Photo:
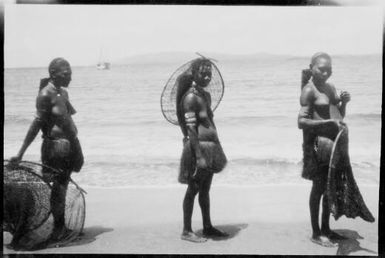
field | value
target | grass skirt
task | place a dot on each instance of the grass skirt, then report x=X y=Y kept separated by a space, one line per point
x=316 y=158
x=211 y=151
x=62 y=154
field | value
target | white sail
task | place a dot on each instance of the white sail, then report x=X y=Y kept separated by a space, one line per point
x=102 y=64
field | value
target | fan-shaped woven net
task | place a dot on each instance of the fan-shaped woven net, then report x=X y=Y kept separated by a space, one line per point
x=344 y=196
x=168 y=98
x=27 y=205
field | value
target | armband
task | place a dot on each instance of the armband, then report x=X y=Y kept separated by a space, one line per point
x=190 y=118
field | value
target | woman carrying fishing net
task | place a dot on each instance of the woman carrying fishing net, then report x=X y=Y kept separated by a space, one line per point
x=188 y=100
x=325 y=151
x=60 y=149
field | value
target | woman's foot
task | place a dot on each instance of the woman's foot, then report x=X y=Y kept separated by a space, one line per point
x=332 y=235
x=213 y=232
x=192 y=237
x=14 y=246
x=60 y=234
x=323 y=241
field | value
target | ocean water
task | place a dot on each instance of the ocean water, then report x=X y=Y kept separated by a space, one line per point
x=126 y=141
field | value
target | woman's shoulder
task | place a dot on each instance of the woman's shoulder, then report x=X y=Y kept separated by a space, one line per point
x=47 y=90
x=185 y=78
x=308 y=94
x=64 y=92
x=309 y=88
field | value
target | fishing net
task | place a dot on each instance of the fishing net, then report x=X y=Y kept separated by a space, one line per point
x=27 y=205
x=344 y=197
x=168 y=97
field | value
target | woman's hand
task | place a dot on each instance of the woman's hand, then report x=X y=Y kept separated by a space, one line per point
x=345 y=97
x=201 y=163
x=337 y=125
x=15 y=160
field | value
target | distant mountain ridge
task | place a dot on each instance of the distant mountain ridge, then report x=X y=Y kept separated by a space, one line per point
x=171 y=57
x=182 y=57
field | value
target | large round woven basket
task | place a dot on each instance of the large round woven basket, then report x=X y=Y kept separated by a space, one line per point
x=26 y=197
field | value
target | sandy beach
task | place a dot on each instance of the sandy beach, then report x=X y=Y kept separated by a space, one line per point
x=260 y=220
x=132 y=153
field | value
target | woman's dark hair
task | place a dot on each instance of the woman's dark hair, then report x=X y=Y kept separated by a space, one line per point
x=56 y=64
x=184 y=84
x=43 y=83
x=53 y=67
x=307 y=73
x=198 y=63
x=306 y=76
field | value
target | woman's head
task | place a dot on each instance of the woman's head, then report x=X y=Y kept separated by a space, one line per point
x=201 y=71
x=60 y=72
x=321 y=67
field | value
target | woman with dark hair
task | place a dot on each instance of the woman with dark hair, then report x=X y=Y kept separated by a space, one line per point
x=202 y=153
x=320 y=118
x=60 y=148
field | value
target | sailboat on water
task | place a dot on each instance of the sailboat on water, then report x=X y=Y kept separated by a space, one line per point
x=102 y=65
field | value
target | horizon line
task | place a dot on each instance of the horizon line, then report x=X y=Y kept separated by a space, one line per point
x=118 y=62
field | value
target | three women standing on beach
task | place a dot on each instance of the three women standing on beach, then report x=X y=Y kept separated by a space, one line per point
x=320 y=118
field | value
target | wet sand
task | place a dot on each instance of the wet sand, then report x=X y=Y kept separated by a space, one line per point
x=260 y=220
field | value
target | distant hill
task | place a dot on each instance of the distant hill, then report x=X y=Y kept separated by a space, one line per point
x=163 y=57
x=182 y=57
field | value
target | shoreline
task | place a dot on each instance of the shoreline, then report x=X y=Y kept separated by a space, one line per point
x=179 y=185
x=260 y=220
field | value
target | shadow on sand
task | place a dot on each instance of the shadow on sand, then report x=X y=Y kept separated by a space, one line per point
x=231 y=229
x=89 y=235
x=351 y=244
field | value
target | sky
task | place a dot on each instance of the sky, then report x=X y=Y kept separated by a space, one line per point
x=35 y=34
